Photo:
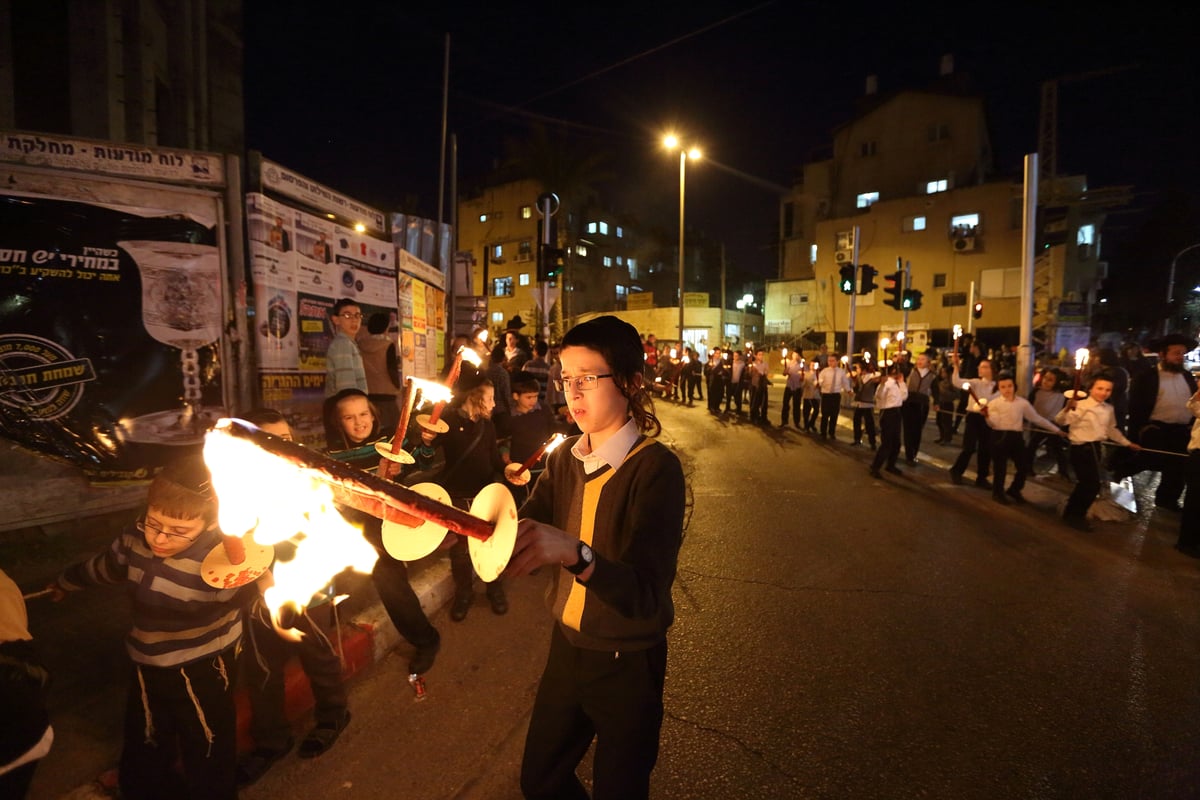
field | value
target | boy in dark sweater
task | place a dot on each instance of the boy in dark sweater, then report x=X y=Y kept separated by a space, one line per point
x=608 y=515
x=526 y=429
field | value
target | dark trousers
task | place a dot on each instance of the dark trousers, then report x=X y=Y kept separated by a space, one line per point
x=390 y=578
x=831 y=406
x=1055 y=446
x=1173 y=438
x=758 y=402
x=914 y=413
x=812 y=408
x=1085 y=460
x=791 y=400
x=733 y=393
x=615 y=698
x=945 y=423
x=975 y=437
x=716 y=393
x=263 y=666
x=961 y=409
x=1008 y=446
x=693 y=387
x=889 y=438
x=191 y=719
x=864 y=418
x=1189 y=522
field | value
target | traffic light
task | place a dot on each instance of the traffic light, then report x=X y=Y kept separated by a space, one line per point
x=977 y=312
x=894 y=290
x=550 y=262
x=868 y=279
x=911 y=299
x=846 y=283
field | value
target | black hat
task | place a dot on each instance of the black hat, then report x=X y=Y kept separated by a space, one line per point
x=469 y=378
x=515 y=324
x=1161 y=344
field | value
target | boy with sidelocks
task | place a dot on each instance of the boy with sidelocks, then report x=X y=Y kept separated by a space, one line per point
x=183 y=644
x=608 y=513
x=1092 y=422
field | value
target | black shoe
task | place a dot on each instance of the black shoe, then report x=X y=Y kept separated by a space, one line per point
x=1016 y=495
x=423 y=658
x=462 y=604
x=1078 y=523
x=495 y=596
x=322 y=737
x=894 y=471
x=1192 y=550
x=255 y=764
x=983 y=483
x=955 y=477
x=875 y=473
x=912 y=462
x=1001 y=499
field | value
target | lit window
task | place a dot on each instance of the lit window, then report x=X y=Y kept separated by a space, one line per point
x=913 y=224
x=632 y=264
x=497 y=316
x=502 y=287
x=620 y=261
x=933 y=187
x=526 y=212
x=620 y=232
x=964 y=224
x=608 y=261
x=603 y=227
x=812 y=254
x=580 y=250
x=591 y=228
x=483 y=217
x=1086 y=235
x=622 y=291
x=866 y=199
x=523 y=279
x=498 y=251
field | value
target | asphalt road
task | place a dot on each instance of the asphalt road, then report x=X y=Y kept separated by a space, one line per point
x=839 y=637
x=836 y=636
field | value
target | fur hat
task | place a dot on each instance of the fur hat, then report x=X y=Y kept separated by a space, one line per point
x=1161 y=344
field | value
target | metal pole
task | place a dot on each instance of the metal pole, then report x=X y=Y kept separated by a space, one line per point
x=1028 y=240
x=721 y=317
x=853 y=298
x=682 y=171
x=451 y=290
x=907 y=286
x=437 y=251
x=971 y=310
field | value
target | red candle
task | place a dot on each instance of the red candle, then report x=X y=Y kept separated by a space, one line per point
x=406 y=409
x=554 y=442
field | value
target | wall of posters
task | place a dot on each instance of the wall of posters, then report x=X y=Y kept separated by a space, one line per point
x=110 y=333
x=300 y=265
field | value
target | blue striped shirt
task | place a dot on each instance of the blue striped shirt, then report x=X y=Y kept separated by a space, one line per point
x=177 y=617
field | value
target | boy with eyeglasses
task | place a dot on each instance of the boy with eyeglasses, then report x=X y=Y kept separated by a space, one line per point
x=343 y=361
x=183 y=644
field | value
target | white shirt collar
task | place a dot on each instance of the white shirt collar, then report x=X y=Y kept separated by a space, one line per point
x=612 y=452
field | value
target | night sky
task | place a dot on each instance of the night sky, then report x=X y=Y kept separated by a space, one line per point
x=350 y=94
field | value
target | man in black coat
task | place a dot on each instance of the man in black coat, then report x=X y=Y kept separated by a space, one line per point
x=1159 y=418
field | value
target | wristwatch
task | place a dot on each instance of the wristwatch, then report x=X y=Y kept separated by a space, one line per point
x=586 y=557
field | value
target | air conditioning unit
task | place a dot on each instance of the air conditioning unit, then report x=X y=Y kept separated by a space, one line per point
x=964 y=244
x=843 y=256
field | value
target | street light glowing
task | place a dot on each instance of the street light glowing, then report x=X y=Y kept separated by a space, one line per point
x=694 y=154
x=360 y=228
x=670 y=141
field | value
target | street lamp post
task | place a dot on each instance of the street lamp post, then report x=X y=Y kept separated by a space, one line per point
x=671 y=142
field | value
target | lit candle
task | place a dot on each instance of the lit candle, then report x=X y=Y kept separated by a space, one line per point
x=405 y=412
x=549 y=446
x=452 y=378
x=1081 y=360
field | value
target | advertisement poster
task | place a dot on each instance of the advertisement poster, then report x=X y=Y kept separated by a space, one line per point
x=301 y=265
x=109 y=332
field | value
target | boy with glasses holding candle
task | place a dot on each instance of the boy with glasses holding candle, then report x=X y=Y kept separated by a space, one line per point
x=607 y=516
x=343 y=361
x=184 y=642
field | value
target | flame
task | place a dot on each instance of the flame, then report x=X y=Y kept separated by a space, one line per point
x=482 y=336
x=470 y=355
x=433 y=392
x=672 y=352
x=266 y=494
x=1081 y=358
x=554 y=442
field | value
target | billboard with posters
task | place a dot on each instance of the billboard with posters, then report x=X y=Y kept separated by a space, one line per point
x=110 y=326
x=300 y=265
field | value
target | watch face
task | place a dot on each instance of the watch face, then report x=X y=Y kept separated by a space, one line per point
x=585 y=553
